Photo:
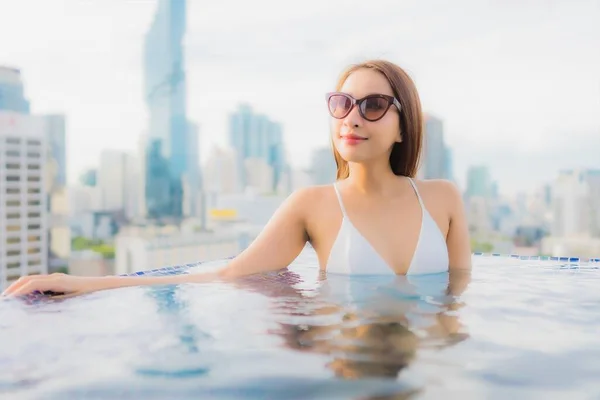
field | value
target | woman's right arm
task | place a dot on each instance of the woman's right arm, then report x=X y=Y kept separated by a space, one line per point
x=278 y=244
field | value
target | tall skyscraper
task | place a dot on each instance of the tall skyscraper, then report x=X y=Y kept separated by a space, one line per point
x=593 y=180
x=221 y=173
x=448 y=163
x=436 y=162
x=112 y=181
x=576 y=195
x=255 y=136
x=479 y=200
x=12 y=97
x=59 y=233
x=52 y=127
x=571 y=209
x=117 y=176
x=57 y=151
x=23 y=220
x=323 y=169
x=170 y=153
x=276 y=157
x=479 y=183
x=192 y=179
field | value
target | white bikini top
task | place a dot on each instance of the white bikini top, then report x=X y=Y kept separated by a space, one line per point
x=353 y=254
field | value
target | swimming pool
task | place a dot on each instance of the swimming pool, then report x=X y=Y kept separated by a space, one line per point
x=514 y=328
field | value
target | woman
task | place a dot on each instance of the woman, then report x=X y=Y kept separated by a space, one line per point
x=375 y=220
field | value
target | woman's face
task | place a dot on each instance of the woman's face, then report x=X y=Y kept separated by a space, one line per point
x=357 y=139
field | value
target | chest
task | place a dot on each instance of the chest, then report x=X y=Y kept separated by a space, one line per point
x=389 y=231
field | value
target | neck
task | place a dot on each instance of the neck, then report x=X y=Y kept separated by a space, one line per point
x=371 y=177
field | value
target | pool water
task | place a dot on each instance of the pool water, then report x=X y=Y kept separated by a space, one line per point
x=511 y=329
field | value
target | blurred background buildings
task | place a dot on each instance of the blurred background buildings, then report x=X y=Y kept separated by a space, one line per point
x=178 y=196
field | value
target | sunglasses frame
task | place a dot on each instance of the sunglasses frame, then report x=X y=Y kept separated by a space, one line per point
x=357 y=102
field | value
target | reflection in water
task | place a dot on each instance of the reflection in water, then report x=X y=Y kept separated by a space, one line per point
x=359 y=349
x=175 y=311
x=365 y=327
x=284 y=336
x=370 y=327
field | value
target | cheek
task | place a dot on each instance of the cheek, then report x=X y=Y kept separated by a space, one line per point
x=334 y=129
x=335 y=126
x=389 y=131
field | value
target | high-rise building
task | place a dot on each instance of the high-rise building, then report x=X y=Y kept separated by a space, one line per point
x=575 y=225
x=23 y=220
x=593 y=180
x=255 y=136
x=547 y=195
x=494 y=190
x=323 y=169
x=112 y=180
x=276 y=158
x=576 y=195
x=169 y=156
x=221 y=172
x=118 y=175
x=89 y=177
x=436 y=156
x=259 y=175
x=12 y=97
x=479 y=183
x=479 y=200
x=59 y=227
x=133 y=183
x=59 y=232
x=83 y=199
x=57 y=151
x=192 y=179
x=448 y=164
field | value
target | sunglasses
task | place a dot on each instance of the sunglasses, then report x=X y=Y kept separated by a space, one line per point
x=372 y=107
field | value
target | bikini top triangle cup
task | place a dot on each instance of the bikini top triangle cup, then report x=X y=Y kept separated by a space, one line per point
x=353 y=254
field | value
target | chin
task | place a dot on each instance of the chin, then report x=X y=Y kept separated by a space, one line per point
x=354 y=156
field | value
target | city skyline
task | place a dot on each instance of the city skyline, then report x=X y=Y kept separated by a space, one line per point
x=503 y=83
x=170 y=154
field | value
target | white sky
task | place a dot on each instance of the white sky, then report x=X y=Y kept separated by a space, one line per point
x=516 y=82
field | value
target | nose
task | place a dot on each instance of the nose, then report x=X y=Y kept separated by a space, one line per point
x=353 y=119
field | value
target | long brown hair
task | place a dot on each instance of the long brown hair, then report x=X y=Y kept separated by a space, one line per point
x=405 y=156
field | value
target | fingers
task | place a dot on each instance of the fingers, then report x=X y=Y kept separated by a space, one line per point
x=29 y=284
x=18 y=284
x=30 y=287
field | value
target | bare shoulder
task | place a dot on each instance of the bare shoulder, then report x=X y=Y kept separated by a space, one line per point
x=311 y=193
x=441 y=191
x=442 y=187
x=307 y=198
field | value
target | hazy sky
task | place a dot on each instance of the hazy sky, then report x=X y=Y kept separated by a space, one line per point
x=517 y=83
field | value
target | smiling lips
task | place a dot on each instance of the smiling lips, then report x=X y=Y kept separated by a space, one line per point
x=352 y=139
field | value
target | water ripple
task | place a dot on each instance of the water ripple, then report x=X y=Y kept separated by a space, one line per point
x=511 y=329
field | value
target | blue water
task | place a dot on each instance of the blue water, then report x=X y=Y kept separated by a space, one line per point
x=511 y=329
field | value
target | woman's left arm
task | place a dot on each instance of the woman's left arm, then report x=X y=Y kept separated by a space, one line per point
x=457 y=240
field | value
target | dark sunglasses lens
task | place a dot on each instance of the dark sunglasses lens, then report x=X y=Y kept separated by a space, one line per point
x=339 y=106
x=374 y=107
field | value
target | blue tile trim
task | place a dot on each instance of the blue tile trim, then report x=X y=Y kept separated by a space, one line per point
x=576 y=260
x=180 y=269
x=169 y=270
x=571 y=262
